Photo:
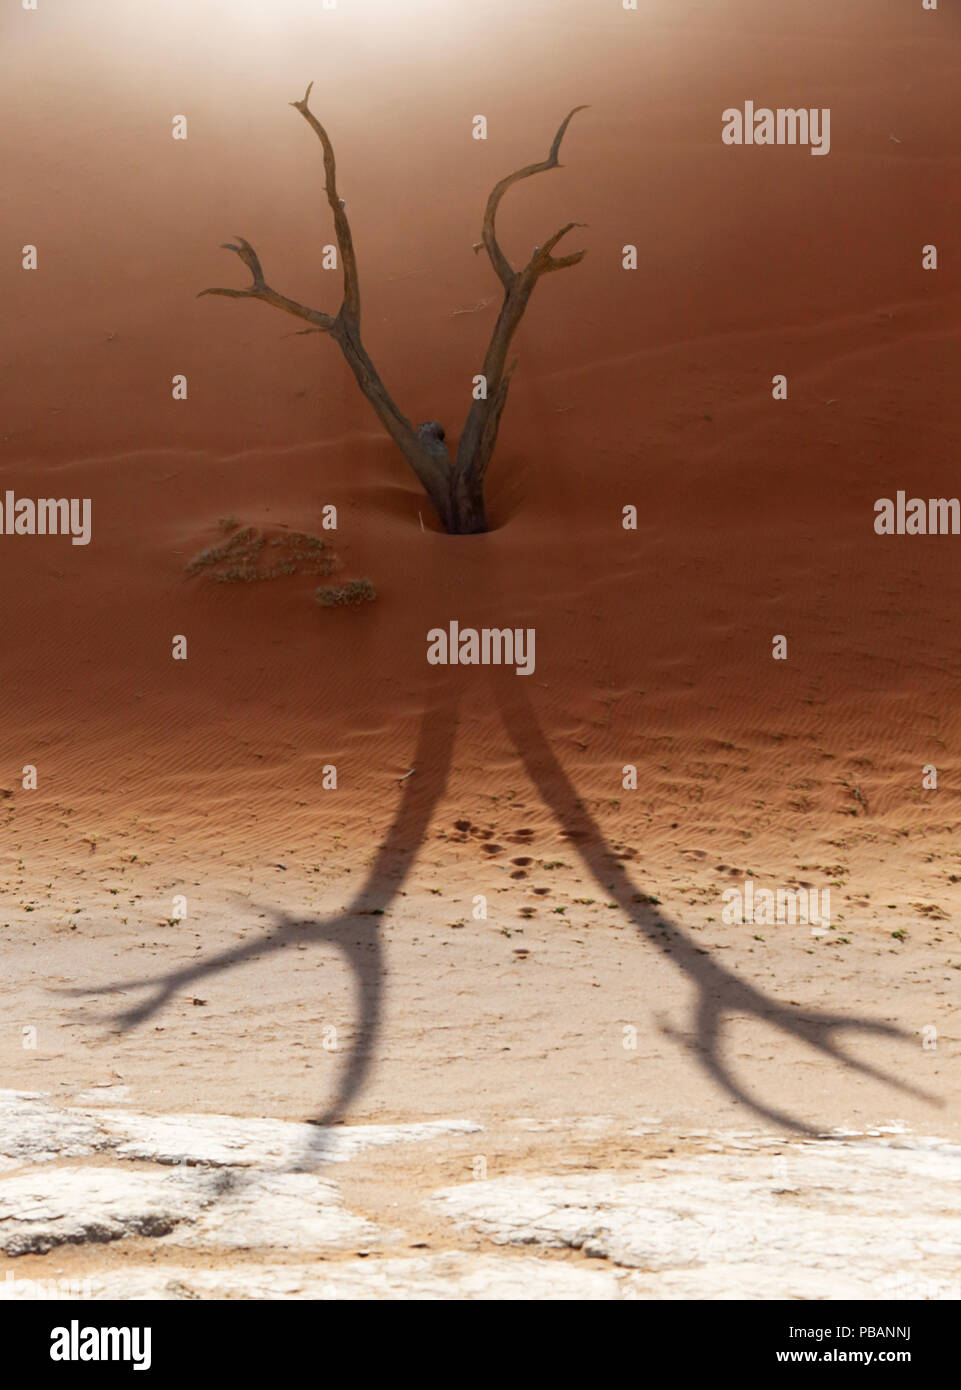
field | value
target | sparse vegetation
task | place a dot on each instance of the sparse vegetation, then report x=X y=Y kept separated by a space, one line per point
x=353 y=592
x=242 y=558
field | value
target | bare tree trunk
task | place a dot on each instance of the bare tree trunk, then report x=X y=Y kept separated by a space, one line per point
x=455 y=487
x=423 y=448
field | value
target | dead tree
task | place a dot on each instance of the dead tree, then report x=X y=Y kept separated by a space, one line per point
x=454 y=486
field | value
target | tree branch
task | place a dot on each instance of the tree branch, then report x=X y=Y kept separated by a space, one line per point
x=493 y=420
x=499 y=261
x=348 y=259
x=259 y=289
x=542 y=262
x=350 y=307
x=428 y=457
x=479 y=435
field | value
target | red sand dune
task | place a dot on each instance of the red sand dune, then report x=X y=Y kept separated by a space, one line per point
x=651 y=388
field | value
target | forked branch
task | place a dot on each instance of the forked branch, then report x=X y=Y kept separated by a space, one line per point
x=344 y=327
x=259 y=289
x=479 y=435
x=499 y=261
x=542 y=262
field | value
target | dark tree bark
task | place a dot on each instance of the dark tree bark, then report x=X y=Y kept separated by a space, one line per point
x=454 y=486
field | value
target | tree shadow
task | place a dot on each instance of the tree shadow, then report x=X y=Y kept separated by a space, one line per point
x=355 y=931
x=720 y=994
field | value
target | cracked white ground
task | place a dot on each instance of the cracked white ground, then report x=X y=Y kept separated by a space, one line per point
x=128 y=1205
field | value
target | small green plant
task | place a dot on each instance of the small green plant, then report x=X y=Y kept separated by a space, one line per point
x=355 y=591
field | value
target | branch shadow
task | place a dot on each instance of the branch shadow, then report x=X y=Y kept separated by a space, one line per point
x=355 y=931
x=720 y=994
